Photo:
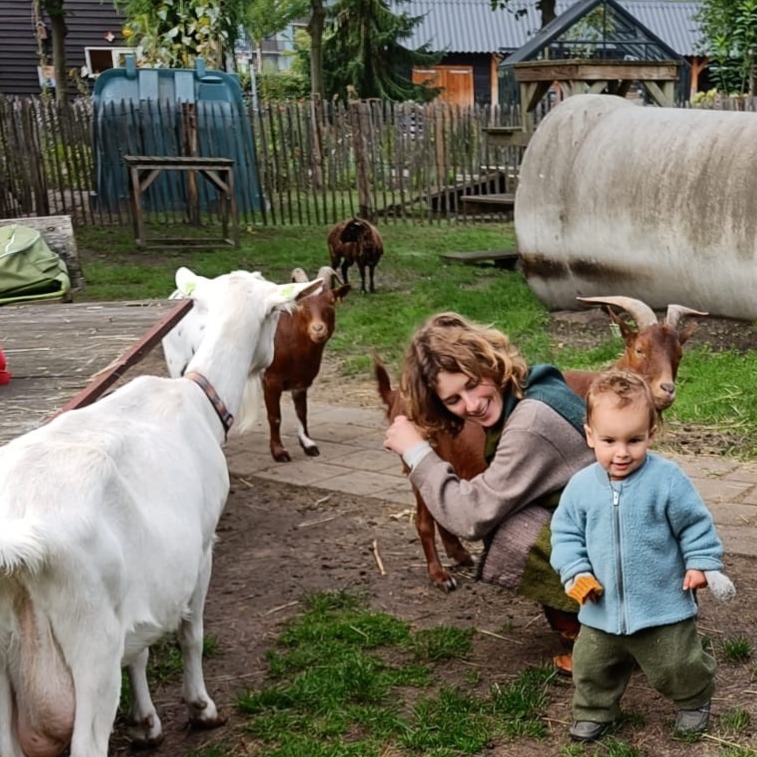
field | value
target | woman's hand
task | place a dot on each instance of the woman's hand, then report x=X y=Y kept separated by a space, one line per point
x=694 y=579
x=402 y=435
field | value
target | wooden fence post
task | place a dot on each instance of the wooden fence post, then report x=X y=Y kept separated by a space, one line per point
x=360 y=126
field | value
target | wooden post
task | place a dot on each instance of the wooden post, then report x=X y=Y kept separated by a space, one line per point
x=362 y=164
x=189 y=149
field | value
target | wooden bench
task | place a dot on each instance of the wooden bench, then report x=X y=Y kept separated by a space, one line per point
x=506 y=258
x=58 y=232
x=482 y=204
x=144 y=169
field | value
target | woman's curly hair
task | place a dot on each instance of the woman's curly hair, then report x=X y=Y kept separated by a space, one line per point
x=450 y=343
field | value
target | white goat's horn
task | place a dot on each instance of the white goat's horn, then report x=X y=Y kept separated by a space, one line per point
x=299 y=276
x=329 y=276
x=639 y=311
x=676 y=312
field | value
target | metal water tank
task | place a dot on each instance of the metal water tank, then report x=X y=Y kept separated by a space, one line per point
x=655 y=203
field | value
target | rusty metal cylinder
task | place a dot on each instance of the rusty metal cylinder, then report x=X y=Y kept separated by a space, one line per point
x=659 y=204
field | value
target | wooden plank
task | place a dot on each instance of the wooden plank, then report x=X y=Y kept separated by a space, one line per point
x=505 y=258
x=493 y=203
x=54 y=350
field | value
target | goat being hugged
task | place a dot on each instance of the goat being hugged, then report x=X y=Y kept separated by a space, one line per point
x=356 y=241
x=107 y=523
x=652 y=349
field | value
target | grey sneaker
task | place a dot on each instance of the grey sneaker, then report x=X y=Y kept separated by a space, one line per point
x=586 y=730
x=693 y=721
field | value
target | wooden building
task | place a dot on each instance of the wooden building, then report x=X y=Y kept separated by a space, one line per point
x=93 y=43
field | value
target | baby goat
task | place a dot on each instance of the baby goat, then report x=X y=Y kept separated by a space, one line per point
x=107 y=522
x=298 y=349
x=356 y=241
x=652 y=349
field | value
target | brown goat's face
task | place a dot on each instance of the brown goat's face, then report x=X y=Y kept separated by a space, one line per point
x=655 y=353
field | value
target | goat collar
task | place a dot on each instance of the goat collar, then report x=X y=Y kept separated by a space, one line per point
x=226 y=418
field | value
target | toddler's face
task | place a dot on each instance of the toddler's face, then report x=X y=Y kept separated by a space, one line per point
x=619 y=436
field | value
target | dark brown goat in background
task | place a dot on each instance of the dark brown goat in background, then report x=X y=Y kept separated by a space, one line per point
x=652 y=349
x=355 y=241
x=298 y=349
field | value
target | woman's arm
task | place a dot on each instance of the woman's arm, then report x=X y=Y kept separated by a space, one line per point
x=537 y=453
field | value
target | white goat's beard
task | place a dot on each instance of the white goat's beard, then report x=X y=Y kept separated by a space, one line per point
x=250 y=410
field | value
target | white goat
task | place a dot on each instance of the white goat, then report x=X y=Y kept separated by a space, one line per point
x=107 y=521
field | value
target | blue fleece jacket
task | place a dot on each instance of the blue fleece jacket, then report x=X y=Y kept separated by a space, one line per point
x=638 y=537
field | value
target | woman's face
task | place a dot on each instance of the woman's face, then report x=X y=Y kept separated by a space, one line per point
x=475 y=400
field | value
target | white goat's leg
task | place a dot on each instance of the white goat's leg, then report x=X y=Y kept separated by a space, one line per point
x=145 y=728
x=93 y=646
x=202 y=709
x=300 y=400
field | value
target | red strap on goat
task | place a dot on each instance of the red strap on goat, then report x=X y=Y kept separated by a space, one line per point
x=226 y=418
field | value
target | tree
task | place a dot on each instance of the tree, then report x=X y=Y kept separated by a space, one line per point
x=316 y=26
x=174 y=33
x=264 y=18
x=57 y=16
x=363 y=47
x=545 y=7
x=729 y=35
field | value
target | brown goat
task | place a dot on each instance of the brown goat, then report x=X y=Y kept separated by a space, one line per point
x=355 y=241
x=654 y=350
x=298 y=348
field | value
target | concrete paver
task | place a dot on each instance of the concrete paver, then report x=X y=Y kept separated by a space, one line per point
x=353 y=461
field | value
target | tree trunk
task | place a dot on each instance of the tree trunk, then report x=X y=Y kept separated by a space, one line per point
x=547 y=10
x=315 y=29
x=58 y=26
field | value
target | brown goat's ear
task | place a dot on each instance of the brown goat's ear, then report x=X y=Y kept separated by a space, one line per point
x=626 y=330
x=341 y=292
x=687 y=331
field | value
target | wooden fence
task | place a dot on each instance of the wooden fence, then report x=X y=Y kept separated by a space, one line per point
x=295 y=162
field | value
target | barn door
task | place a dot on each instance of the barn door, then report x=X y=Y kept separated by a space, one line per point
x=456 y=81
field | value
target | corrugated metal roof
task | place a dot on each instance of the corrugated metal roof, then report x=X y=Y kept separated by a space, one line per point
x=471 y=26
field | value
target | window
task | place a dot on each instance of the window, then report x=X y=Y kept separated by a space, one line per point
x=99 y=59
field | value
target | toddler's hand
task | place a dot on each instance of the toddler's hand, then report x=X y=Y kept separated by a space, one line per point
x=584 y=588
x=694 y=579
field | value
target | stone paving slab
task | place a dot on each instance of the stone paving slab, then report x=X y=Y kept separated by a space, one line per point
x=54 y=349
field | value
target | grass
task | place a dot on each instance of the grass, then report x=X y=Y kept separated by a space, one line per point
x=347 y=681
x=414 y=282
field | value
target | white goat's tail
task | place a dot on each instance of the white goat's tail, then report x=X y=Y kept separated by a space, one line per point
x=21 y=546
x=720 y=585
x=249 y=412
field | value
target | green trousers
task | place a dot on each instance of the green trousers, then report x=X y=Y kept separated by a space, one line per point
x=671 y=657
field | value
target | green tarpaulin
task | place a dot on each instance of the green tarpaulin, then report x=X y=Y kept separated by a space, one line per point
x=29 y=269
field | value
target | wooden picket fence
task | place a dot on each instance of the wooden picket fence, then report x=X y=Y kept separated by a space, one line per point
x=295 y=162
x=308 y=162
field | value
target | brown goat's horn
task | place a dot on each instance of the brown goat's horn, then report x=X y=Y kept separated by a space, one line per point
x=676 y=312
x=299 y=276
x=329 y=277
x=639 y=311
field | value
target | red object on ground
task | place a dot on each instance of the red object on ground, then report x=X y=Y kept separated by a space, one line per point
x=5 y=376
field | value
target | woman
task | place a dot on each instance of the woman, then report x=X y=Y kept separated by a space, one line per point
x=456 y=371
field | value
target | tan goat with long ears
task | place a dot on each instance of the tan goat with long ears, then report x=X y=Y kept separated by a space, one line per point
x=652 y=349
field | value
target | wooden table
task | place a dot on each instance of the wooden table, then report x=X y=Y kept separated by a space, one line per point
x=144 y=169
x=614 y=77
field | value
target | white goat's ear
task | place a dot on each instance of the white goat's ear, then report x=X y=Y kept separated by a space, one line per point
x=185 y=281
x=287 y=293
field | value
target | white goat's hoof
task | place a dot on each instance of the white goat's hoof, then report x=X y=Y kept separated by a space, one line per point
x=203 y=715
x=146 y=734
